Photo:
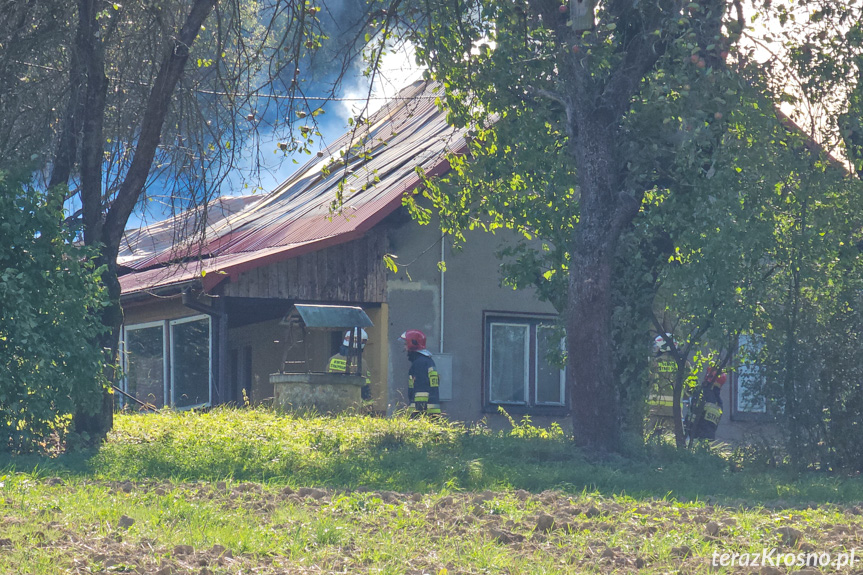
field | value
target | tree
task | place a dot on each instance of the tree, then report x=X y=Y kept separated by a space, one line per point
x=609 y=96
x=154 y=100
x=49 y=365
x=506 y=59
x=809 y=321
x=716 y=278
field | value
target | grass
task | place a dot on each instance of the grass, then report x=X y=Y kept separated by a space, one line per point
x=252 y=491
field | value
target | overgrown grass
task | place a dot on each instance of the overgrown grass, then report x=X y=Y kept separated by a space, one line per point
x=253 y=491
x=349 y=451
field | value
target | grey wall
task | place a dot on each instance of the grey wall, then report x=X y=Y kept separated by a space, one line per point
x=471 y=286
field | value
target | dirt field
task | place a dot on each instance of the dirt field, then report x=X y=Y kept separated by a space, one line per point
x=388 y=532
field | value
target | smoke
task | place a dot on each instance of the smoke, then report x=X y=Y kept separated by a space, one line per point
x=335 y=87
x=336 y=78
x=398 y=69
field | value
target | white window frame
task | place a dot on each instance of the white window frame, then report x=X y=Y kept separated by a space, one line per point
x=165 y=356
x=562 y=372
x=747 y=401
x=189 y=319
x=526 y=351
x=532 y=323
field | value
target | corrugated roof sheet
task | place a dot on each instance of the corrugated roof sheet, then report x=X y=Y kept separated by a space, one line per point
x=297 y=217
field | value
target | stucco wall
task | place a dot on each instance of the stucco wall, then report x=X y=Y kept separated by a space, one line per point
x=471 y=285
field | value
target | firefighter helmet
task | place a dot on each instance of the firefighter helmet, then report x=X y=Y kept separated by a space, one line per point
x=360 y=339
x=660 y=345
x=715 y=377
x=414 y=340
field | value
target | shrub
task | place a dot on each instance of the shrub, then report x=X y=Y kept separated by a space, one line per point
x=49 y=289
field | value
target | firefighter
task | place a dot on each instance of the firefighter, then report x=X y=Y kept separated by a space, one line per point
x=339 y=362
x=709 y=405
x=423 y=380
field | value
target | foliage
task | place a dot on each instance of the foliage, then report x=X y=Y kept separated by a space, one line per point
x=567 y=132
x=810 y=316
x=525 y=429
x=809 y=313
x=49 y=319
x=689 y=130
x=139 y=104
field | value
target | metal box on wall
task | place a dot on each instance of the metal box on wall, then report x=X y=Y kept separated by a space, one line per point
x=443 y=362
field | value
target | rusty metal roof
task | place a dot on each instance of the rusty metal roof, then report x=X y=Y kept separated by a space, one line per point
x=299 y=216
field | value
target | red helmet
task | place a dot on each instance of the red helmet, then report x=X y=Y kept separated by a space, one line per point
x=715 y=377
x=414 y=340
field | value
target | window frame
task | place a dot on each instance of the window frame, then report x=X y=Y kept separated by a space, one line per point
x=751 y=370
x=125 y=358
x=531 y=406
x=561 y=373
x=180 y=321
x=168 y=355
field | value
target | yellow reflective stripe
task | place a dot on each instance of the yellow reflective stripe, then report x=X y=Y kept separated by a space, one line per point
x=433 y=408
x=712 y=412
x=421 y=396
x=662 y=400
x=410 y=382
x=434 y=378
x=337 y=364
x=667 y=366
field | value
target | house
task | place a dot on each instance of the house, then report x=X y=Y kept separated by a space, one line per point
x=203 y=311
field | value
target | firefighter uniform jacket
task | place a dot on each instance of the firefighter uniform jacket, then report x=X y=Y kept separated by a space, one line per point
x=423 y=382
x=711 y=410
x=339 y=363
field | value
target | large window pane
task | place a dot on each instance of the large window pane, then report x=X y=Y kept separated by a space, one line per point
x=508 y=362
x=145 y=364
x=750 y=378
x=190 y=362
x=549 y=378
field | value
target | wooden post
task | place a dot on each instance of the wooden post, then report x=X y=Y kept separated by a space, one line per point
x=221 y=391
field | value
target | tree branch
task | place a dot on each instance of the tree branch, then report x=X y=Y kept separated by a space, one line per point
x=158 y=105
x=93 y=53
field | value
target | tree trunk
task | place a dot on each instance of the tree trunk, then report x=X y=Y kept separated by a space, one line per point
x=596 y=412
x=676 y=407
x=104 y=222
x=790 y=371
x=594 y=392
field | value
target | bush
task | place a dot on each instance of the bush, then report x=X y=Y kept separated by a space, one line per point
x=50 y=364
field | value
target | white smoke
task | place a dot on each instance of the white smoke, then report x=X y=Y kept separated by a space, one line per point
x=398 y=69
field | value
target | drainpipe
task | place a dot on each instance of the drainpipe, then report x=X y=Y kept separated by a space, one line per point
x=442 y=288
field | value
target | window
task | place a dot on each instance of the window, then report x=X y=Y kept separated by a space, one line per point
x=517 y=367
x=190 y=362
x=168 y=362
x=145 y=363
x=749 y=379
